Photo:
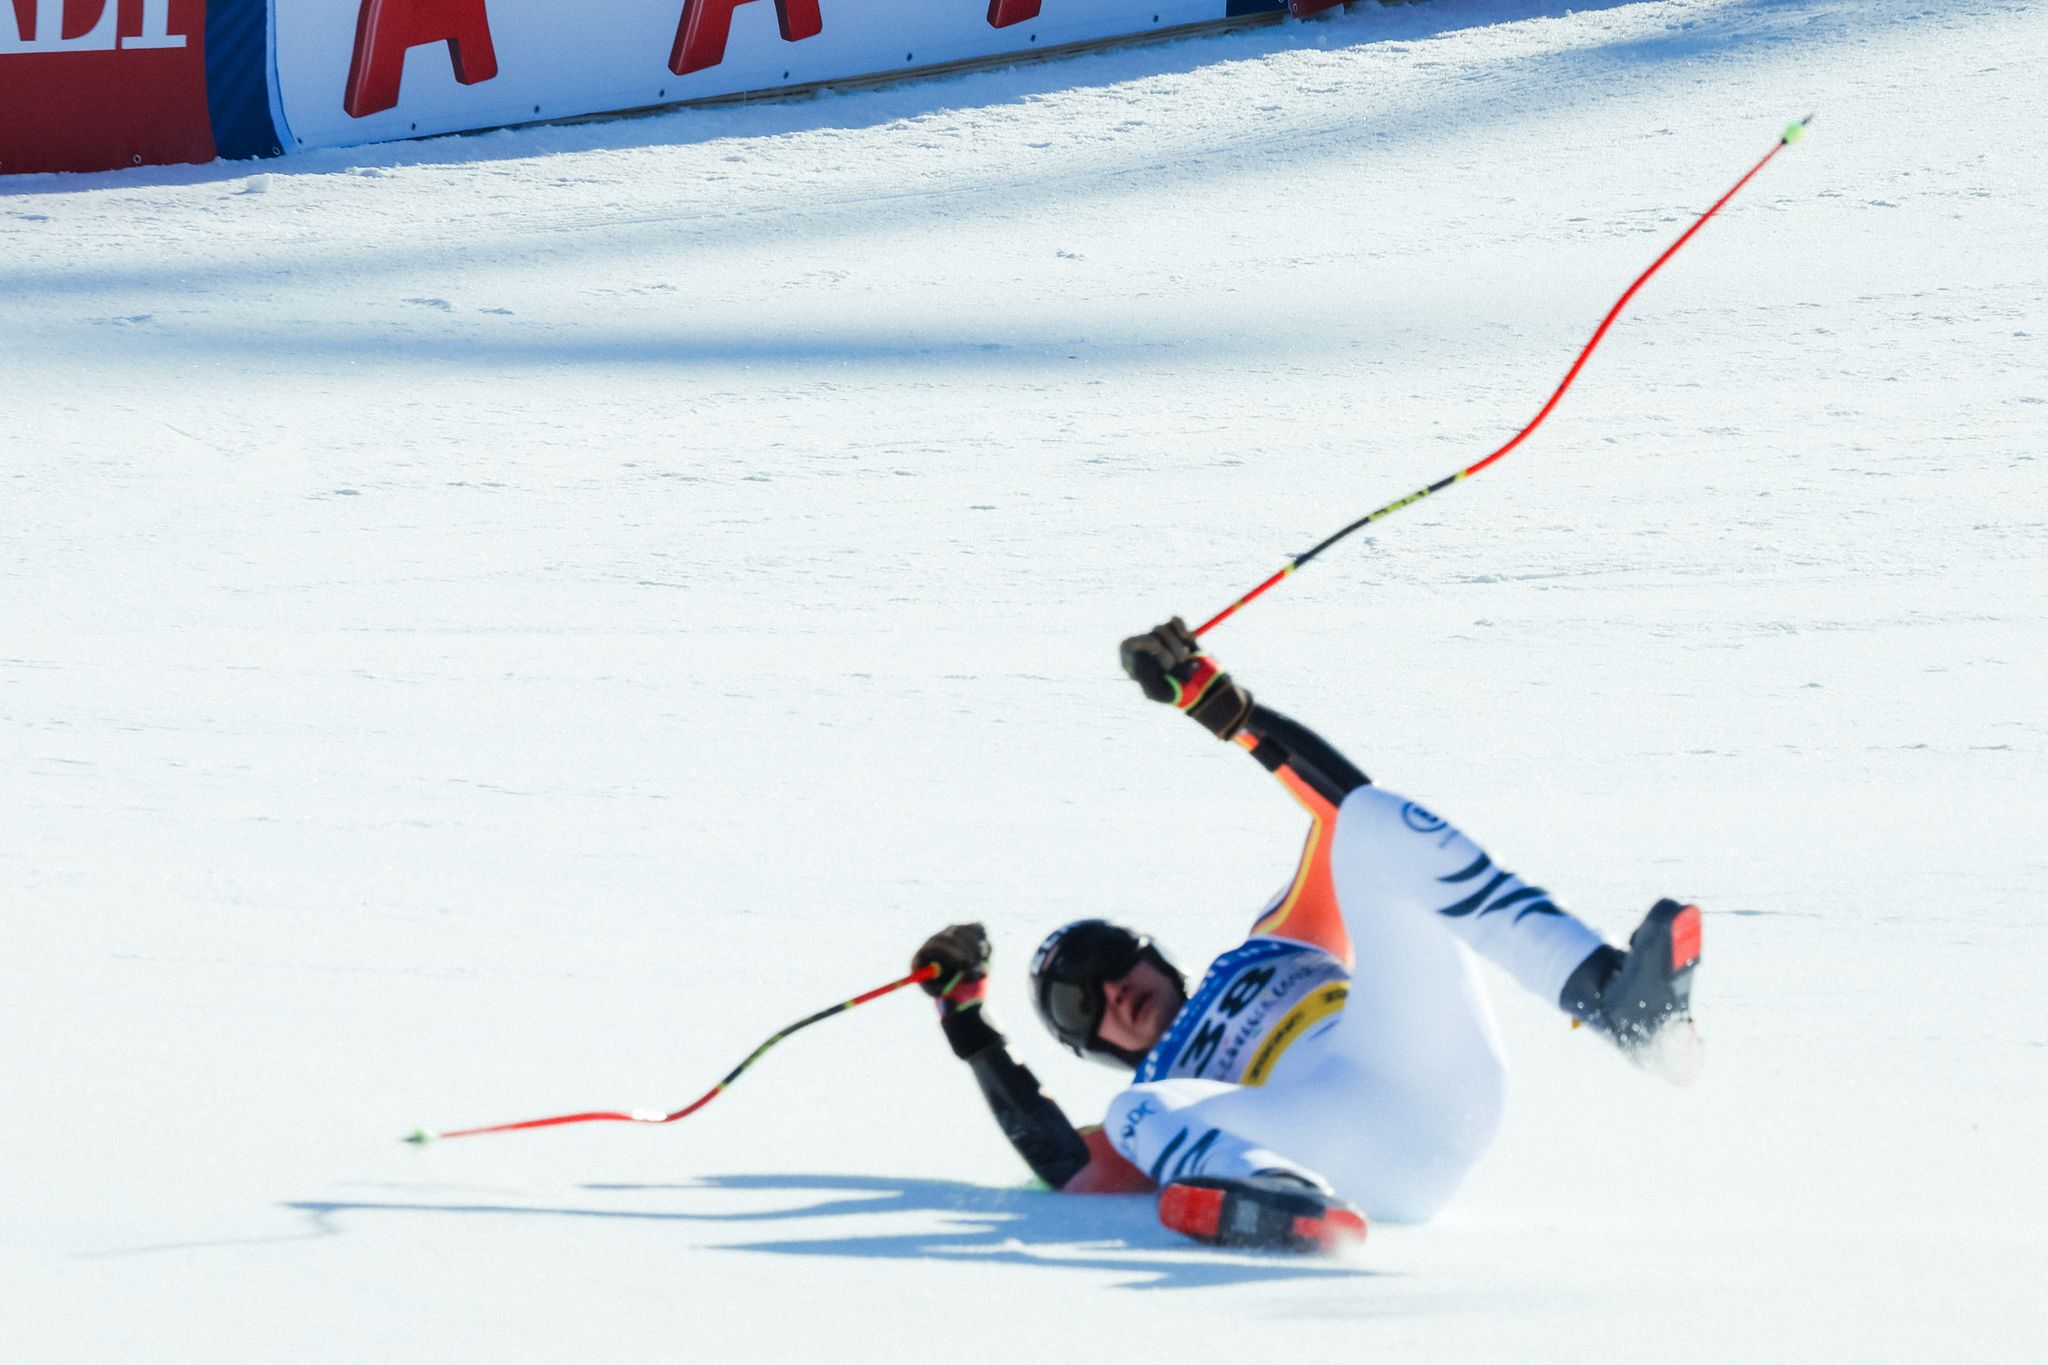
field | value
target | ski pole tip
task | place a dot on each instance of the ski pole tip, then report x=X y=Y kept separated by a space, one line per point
x=419 y=1137
x=1797 y=129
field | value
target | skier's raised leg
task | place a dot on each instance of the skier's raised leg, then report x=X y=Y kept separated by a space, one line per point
x=1402 y=860
x=1642 y=999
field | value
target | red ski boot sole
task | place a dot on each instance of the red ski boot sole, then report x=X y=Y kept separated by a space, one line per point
x=1245 y=1214
x=1685 y=939
x=1196 y=1212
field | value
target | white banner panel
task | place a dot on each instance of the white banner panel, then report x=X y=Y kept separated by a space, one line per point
x=354 y=71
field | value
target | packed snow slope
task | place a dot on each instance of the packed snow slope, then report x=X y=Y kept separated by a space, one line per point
x=499 y=626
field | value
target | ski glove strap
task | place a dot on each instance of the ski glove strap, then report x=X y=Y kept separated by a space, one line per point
x=1170 y=666
x=962 y=952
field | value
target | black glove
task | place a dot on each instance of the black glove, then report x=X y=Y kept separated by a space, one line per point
x=1169 y=664
x=962 y=952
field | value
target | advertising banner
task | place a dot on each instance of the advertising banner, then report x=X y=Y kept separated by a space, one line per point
x=99 y=84
x=353 y=71
x=88 y=85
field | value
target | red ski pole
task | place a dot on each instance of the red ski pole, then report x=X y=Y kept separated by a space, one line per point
x=1792 y=134
x=925 y=973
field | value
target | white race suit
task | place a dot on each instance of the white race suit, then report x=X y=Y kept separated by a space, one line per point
x=1348 y=1037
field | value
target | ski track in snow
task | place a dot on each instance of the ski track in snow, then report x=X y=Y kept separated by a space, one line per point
x=499 y=625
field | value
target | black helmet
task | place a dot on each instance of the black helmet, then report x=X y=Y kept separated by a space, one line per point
x=1067 y=975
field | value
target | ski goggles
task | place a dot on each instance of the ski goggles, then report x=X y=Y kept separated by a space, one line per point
x=1071 y=969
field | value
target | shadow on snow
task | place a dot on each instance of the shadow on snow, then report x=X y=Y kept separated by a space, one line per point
x=1362 y=120
x=981 y=1225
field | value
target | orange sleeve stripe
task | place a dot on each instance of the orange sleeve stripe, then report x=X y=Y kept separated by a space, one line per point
x=1309 y=912
x=1320 y=808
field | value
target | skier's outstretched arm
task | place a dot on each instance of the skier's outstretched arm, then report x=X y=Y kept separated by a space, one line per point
x=1311 y=769
x=1079 y=1161
x=1169 y=664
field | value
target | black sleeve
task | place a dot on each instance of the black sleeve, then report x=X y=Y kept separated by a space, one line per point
x=1029 y=1118
x=1283 y=743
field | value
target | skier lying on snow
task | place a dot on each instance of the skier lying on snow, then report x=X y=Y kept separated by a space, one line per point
x=1343 y=1058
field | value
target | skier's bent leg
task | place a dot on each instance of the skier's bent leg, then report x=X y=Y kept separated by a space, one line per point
x=1220 y=1186
x=1397 y=1146
x=1165 y=1129
x=1392 y=857
x=1397 y=866
x=1398 y=1149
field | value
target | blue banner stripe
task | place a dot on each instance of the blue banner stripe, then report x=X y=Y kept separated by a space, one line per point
x=238 y=79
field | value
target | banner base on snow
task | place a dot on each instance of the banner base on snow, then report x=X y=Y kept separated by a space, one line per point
x=93 y=85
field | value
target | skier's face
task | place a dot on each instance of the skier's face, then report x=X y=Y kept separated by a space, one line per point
x=1137 y=1007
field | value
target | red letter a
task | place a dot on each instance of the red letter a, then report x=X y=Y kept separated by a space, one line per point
x=387 y=29
x=1003 y=13
x=700 y=38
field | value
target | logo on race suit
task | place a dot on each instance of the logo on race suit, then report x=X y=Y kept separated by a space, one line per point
x=1129 y=1132
x=1420 y=820
x=42 y=30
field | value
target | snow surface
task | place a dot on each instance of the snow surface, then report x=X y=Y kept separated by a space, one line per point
x=498 y=626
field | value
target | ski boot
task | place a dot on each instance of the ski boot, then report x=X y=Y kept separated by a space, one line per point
x=1270 y=1212
x=1642 y=999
